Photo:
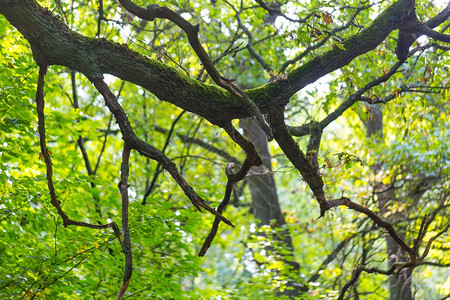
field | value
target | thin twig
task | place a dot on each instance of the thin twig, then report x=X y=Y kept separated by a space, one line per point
x=232 y=179
x=159 y=167
x=155 y=11
x=126 y=248
x=48 y=163
x=149 y=151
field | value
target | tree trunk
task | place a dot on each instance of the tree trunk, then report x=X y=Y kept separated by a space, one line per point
x=265 y=204
x=399 y=285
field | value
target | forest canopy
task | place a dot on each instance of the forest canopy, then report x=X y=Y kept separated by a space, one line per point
x=224 y=149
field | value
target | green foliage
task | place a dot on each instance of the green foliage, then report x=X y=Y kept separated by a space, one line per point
x=41 y=259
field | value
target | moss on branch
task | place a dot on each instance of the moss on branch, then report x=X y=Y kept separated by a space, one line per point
x=53 y=43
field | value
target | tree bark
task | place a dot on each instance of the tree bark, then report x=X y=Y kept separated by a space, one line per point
x=399 y=285
x=266 y=207
x=53 y=43
x=265 y=204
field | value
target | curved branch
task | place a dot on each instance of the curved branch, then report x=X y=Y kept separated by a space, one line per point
x=253 y=159
x=424 y=29
x=374 y=217
x=245 y=144
x=149 y=151
x=155 y=11
x=356 y=96
x=232 y=179
x=53 y=43
x=48 y=161
x=315 y=128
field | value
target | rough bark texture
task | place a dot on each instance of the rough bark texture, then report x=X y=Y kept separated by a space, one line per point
x=53 y=43
x=297 y=157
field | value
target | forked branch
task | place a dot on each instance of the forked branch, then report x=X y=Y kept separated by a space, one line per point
x=149 y=151
x=155 y=11
x=253 y=159
x=232 y=179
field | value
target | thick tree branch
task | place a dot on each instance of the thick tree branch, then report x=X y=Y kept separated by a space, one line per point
x=149 y=151
x=302 y=130
x=297 y=157
x=53 y=43
x=155 y=11
x=424 y=29
x=313 y=146
x=322 y=41
x=315 y=128
x=411 y=29
x=308 y=128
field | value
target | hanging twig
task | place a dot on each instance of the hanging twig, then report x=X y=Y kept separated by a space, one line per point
x=253 y=159
x=232 y=179
x=48 y=163
x=126 y=248
x=133 y=142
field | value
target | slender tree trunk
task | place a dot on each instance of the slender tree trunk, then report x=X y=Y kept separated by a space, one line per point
x=399 y=285
x=265 y=204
